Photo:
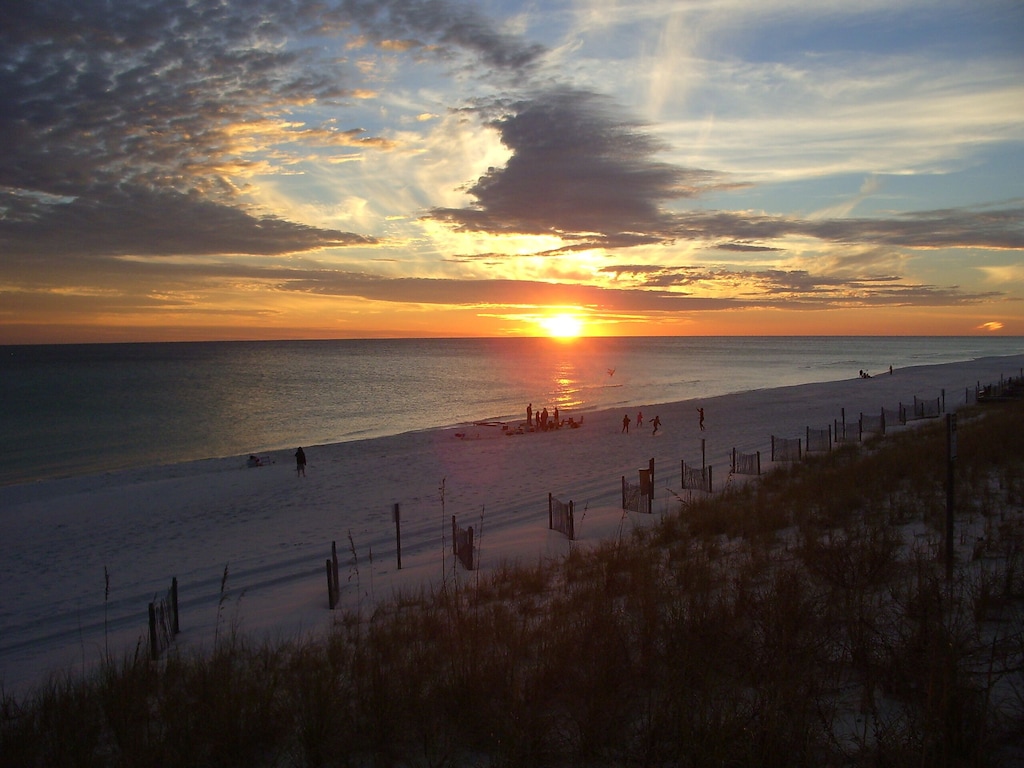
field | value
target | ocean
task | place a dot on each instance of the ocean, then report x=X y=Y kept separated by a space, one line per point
x=79 y=409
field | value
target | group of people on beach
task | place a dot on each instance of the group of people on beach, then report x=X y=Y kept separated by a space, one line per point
x=656 y=424
x=300 y=462
x=865 y=375
x=640 y=422
x=544 y=421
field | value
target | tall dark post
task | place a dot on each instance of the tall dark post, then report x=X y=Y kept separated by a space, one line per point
x=335 y=583
x=950 y=490
x=174 y=604
x=703 y=454
x=154 y=644
x=398 y=534
x=331 y=599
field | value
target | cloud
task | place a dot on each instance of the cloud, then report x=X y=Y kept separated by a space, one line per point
x=996 y=228
x=134 y=221
x=129 y=126
x=992 y=325
x=796 y=289
x=161 y=94
x=582 y=170
x=645 y=289
x=578 y=169
x=458 y=26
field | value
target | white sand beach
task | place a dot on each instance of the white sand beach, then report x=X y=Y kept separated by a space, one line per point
x=272 y=531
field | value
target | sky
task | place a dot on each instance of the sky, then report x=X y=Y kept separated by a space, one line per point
x=273 y=169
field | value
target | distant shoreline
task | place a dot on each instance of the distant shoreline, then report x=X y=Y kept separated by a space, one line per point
x=86 y=409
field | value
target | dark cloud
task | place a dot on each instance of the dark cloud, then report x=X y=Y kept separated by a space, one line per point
x=952 y=228
x=142 y=92
x=143 y=222
x=658 y=291
x=583 y=171
x=744 y=248
x=122 y=121
x=579 y=170
x=798 y=289
x=958 y=228
x=457 y=25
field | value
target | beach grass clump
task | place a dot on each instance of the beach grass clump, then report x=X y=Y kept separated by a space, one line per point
x=803 y=619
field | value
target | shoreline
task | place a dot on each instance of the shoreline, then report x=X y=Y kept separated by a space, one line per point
x=270 y=531
x=177 y=423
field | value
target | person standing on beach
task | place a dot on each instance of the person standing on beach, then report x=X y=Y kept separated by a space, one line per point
x=529 y=415
x=700 y=414
x=656 y=423
x=625 y=423
x=300 y=462
x=639 y=419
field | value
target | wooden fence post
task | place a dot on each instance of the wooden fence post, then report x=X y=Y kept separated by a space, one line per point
x=398 y=534
x=335 y=583
x=174 y=604
x=154 y=645
x=330 y=585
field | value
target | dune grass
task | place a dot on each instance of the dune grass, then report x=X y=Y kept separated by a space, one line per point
x=804 y=619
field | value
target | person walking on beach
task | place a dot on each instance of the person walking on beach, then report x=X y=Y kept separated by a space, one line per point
x=656 y=423
x=625 y=423
x=700 y=414
x=639 y=419
x=300 y=462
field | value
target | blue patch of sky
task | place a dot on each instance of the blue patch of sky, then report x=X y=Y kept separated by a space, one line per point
x=990 y=178
x=964 y=30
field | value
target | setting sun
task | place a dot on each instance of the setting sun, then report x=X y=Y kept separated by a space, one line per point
x=562 y=326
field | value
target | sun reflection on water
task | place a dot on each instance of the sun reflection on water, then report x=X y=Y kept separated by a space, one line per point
x=566 y=386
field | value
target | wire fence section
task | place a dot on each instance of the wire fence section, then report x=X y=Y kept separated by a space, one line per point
x=694 y=479
x=561 y=517
x=819 y=440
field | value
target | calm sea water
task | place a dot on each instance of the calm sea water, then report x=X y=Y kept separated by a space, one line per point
x=85 y=408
